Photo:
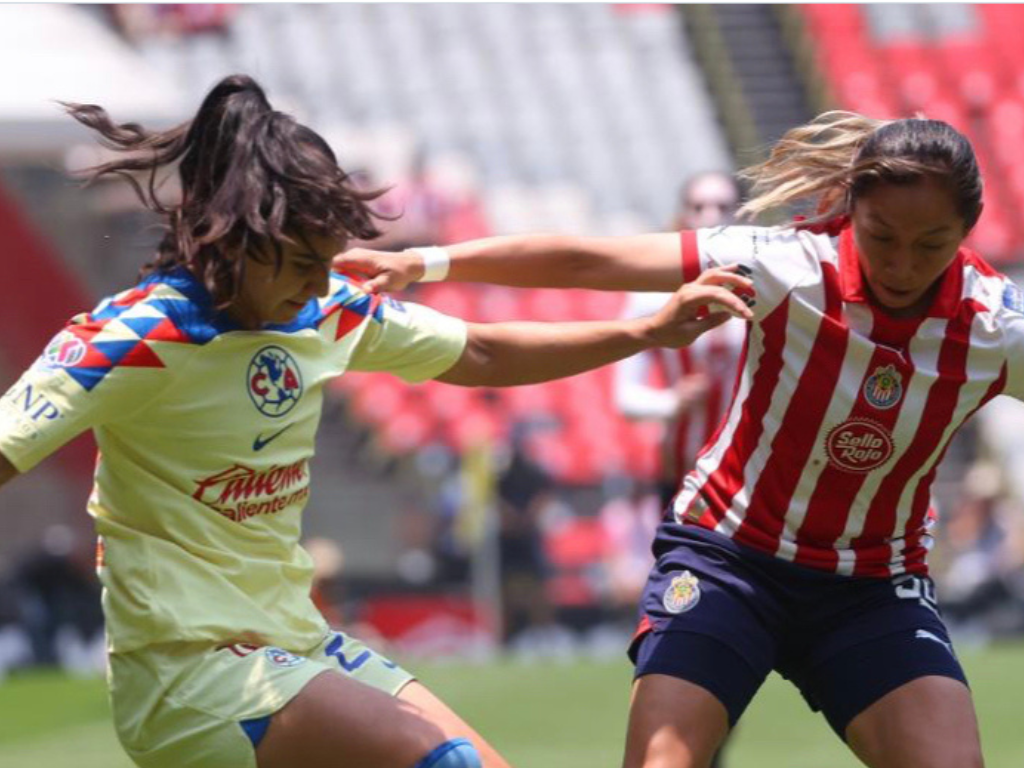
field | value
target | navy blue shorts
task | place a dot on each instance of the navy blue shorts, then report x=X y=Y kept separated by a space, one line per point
x=722 y=616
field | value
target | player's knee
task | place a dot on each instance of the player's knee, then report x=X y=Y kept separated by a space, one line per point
x=454 y=753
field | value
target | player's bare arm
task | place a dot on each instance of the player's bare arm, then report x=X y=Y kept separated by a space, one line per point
x=510 y=354
x=648 y=262
x=7 y=470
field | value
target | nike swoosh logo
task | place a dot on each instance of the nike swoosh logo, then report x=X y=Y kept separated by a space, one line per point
x=924 y=634
x=261 y=442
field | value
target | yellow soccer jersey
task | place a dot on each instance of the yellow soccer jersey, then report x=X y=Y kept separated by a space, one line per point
x=205 y=433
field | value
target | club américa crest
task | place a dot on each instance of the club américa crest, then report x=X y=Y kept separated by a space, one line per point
x=884 y=387
x=274 y=381
x=682 y=594
x=281 y=658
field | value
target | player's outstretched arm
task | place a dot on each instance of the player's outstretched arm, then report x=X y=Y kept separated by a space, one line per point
x=636 y=263
x=510 y=354
x=7 y=470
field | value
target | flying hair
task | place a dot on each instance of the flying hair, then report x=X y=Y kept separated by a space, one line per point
x=251 y=178
x=826 y=164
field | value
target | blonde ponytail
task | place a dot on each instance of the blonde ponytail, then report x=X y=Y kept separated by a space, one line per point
x=813 y=164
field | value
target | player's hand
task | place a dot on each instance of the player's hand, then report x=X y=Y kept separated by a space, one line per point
x=380 y=270
x=710 y=300
x=735 y=277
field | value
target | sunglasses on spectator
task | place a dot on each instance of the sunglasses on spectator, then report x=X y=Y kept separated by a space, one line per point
x=700 y=205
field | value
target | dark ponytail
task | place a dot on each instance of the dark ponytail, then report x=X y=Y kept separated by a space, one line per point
x=251 y=178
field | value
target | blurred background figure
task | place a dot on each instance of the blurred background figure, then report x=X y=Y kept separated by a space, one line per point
x=525 y=491
x=686 y=390
x=982 y=578
x=57 y=597
x=629 y=518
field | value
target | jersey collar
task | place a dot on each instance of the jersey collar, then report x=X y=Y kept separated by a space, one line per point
x=851 y=279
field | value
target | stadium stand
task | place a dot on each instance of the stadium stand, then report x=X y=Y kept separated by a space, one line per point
x=954 y=62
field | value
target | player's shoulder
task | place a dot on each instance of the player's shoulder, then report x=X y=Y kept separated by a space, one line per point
x=171 y=306
x=154 y=325
x=791 y=242
x=992 y=290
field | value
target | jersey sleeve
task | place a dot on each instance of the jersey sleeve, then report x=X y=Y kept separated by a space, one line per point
x=778 y=259
x=411 y=341
x=73 y=386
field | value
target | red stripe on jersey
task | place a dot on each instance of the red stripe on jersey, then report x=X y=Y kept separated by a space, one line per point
x=690 y=255
x=825 y=519
x=792 y=445
x=873 y=554
x=724 y=483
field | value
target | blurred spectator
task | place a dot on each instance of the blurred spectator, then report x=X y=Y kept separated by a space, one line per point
x=438 y=203
x=696 y=381
x=58 y=601
x=523 y=491
x=629 y=521
x=982 y=585
x=170 y=20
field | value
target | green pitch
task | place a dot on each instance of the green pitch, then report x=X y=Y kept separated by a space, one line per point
x=541 y=715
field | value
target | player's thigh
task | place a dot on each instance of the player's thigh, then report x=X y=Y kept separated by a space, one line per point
x=927 y=723
x=673 y=723
x=883 y=637
x=336 y=721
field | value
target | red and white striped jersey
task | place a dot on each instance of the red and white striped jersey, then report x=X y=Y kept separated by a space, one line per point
x=714 y=355
x=841 y=413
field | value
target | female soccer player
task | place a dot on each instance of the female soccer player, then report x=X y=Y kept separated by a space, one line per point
x=203 y=385
x=799 y=541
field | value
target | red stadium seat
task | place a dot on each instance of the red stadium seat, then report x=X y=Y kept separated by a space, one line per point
x=916 y=77
x=478 y=425
x=496 y=303
x=379 y=397
x=450 y=298
x=970 y=66
x=448 y=402
x=549 y=305
x=834 y=22
x=528 y=402
x=1002 y=25
x=406 y=430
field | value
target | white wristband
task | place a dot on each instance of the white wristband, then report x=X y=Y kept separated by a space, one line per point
x=435 y=263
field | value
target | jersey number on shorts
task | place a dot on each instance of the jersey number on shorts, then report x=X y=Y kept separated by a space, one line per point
x=917 y=588
x=334 y=649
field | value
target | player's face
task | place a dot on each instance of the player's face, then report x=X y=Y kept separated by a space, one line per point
x=269 y=296
x=907 y=236
x=711 y=200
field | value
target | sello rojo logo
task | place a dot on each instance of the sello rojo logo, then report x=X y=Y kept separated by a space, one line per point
x=274 y=381
x=858 y=445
